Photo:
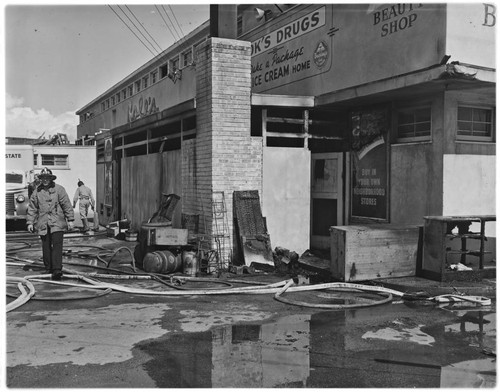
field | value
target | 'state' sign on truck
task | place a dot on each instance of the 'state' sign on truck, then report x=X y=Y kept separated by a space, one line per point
x=19 y=173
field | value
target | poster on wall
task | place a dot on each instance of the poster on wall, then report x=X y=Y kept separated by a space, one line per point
x=369 y=187
x=108 y=184
x=108 y=172
x=108 y=149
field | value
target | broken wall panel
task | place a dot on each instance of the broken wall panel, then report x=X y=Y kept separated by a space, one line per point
x=254 y=241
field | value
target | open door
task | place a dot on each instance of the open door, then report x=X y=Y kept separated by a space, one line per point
x=326 y=197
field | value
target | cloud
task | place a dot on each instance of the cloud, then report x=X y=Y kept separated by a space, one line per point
x=23 y=121
x=12 y=102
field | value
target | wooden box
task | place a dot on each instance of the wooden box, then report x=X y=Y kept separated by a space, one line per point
x=163 y=234
x=448 y=241
x=373 y=251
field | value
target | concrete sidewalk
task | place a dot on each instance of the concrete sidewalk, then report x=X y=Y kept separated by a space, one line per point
x=485 y=287
x=410 y=284
x=317 y=268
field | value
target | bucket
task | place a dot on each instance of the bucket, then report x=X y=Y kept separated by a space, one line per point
x=190 y=264
x=112 y=231
x=130 y=236
x=162 y=262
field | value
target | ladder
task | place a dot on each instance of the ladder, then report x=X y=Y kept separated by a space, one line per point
x=220 y=230
x=214 y=245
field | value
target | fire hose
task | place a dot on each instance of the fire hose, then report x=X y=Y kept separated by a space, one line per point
x=25 y=296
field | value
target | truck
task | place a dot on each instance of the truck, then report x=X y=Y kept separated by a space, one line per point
x=19 y=167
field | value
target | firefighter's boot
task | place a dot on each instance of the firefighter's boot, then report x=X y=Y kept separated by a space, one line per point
x=85 y=225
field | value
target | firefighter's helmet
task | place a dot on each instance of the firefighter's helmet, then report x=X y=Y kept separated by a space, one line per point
x=46 y=174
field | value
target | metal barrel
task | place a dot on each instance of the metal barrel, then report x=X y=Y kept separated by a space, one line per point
x=162 y=262
x=190 y=265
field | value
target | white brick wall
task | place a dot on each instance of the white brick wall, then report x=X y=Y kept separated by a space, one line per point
x=227 y=157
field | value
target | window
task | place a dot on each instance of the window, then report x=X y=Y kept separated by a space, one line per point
x=118 y=98
x=187 y=58
x=154 y=75
x=55 y=160
x=163 y=71
x=130 y=90
x=113 y=100
x=124 y=94
x=239 y=25
x=100 y=150
x=174 y=64
x=103 y=107
x=195 y=46
x=145 y=81
x=35 y=160
x=414 y=123
x=107 y=103
x=137 y=86
x=474 y=123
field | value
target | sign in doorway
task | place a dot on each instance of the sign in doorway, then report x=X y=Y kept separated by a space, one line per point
x=369 y=198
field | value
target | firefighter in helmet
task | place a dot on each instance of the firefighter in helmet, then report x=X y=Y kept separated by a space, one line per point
x=50 y=215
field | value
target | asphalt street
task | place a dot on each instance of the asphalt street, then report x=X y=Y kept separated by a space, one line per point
x=79 y=337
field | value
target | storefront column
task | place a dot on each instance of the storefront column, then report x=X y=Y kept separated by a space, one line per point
x=228 y=159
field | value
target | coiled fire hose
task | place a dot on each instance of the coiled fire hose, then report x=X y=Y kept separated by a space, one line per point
x=25 y=296
x=278 y=289
x=278 y=297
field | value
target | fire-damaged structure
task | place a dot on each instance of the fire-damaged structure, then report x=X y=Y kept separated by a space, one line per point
x=337 y=115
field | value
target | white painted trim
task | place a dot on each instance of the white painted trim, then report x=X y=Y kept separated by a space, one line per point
x=282 y=100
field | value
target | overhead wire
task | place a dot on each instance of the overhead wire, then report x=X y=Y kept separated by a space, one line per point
x=177 y=38
x=146 y=30
x=171 y=23
x=182 y=37
x=178 y=24
x=166 y=23
x=139 y=30
x=125 y=23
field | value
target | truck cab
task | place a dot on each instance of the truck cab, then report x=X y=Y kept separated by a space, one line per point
x=19 y=174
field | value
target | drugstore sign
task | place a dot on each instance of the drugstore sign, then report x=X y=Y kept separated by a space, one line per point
x=292 y=52
x=320 y=48
x=292 y=30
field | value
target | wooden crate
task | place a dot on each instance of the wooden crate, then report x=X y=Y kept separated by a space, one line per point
x=373 y=251
x=443 y=247
x=163 y=234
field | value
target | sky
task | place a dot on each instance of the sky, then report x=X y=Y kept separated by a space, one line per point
x=59 y=57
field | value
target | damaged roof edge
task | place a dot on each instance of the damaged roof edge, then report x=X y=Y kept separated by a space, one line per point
x=433 y=73
x=459 y=70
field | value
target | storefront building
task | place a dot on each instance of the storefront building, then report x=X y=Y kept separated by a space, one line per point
x=337 y=114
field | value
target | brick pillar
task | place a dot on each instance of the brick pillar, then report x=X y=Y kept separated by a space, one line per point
x=227 y=157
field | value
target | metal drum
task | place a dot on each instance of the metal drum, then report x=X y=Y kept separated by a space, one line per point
x=162 y=262
x=190 y=263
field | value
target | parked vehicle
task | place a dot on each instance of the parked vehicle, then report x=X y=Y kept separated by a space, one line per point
x=19 y=173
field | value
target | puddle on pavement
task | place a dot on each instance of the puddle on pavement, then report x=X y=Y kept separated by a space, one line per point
x=414 y=335
x=478 y=373
x=82 y=336
x=327 y=349
x=198 y=321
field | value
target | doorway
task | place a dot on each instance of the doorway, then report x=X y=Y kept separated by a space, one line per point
x=327 y=189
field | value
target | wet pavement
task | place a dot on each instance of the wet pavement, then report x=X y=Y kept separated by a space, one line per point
x=58 y=339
